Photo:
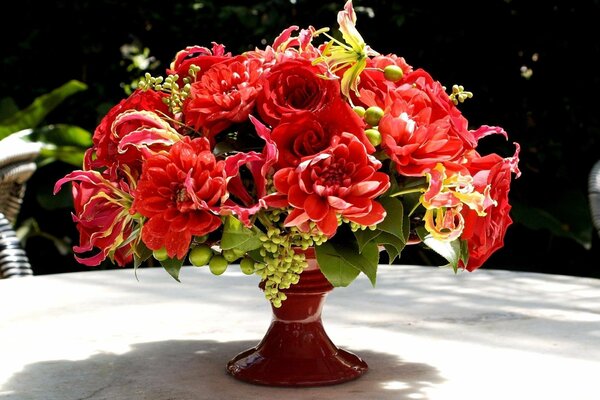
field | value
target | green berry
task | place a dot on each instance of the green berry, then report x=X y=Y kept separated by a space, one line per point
x=360 y=111
x=393 y=73
x=374 y=136
x=373 y=115
x=160 y=254
x=201 y=255
x=232 y=255
x=218 y=264
x=247 y=265
x=201 y=239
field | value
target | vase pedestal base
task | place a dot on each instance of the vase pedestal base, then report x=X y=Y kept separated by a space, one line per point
x=322 y=364
x=296 y=351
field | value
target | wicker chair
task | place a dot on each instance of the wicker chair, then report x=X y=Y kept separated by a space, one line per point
x=17 y=164
x=594 y=195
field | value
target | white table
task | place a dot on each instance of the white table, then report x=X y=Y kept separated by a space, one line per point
x=425 y=332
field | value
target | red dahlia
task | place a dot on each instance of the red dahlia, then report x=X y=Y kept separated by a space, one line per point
x=180 y=193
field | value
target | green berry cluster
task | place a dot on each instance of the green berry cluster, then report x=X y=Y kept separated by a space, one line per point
x=282 y=265
x=202 y=254
x=459 y=94
x=355 y=227
x=372 y=116
x=170 y=84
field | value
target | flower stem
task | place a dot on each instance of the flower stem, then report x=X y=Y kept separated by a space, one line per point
x=418 y=189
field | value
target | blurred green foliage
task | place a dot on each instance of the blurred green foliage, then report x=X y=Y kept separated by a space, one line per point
x=529 y=64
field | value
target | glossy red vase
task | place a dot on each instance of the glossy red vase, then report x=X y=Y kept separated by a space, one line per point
x=296 y=350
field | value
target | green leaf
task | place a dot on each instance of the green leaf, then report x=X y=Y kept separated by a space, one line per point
x=366 y=261
x=67 y=143
x=68 y=154
x=255 y=255
x=172 y=266
x=141 y=254
x=392 y=244
x=422 y=232
x=236 y=235
x=62 y=135
x=35 y=113
x=395 y=220
x=365 y=236
x=336 y=269
x=464 y=252
x=392 y=232
x=451 y=251
x=411 y=202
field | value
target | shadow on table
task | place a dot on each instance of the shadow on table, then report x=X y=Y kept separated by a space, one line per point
x=182 y=370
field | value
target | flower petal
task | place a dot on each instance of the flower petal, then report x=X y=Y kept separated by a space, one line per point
x=316 y=207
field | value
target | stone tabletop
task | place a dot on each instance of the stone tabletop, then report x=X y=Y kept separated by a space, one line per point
x=425 y=332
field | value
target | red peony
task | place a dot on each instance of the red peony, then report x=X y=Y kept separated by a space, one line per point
x=180 y=193
x=224 y=95
x=340 y=181
x=485 y=235
x=441 y=105
x=412 y=137
x=373 y=82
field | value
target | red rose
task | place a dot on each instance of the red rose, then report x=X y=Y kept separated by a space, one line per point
x=485 y=235
x=340 y=181
x=108 y=135
x=180 y=193
x=297 y=136
x=294 y=85
x=305 y=134
x=224 y=95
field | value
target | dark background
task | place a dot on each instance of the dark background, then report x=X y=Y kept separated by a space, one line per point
x=532 y=67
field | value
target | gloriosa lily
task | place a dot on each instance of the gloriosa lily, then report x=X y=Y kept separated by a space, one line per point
x=104 y=217
x=352 y=54
x=446 y=194
x=444 y=224
x=152 y=130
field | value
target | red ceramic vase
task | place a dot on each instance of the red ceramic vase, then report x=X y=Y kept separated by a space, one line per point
x=296 y=351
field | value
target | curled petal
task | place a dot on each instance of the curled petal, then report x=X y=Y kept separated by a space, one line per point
x=444 y=224
x=485 y=130
x=375 y=215
x=513 y=161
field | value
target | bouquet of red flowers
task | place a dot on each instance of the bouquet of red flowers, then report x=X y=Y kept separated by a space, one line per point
x=247 y=158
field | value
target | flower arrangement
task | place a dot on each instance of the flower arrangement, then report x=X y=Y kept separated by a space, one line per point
x=248 y=158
